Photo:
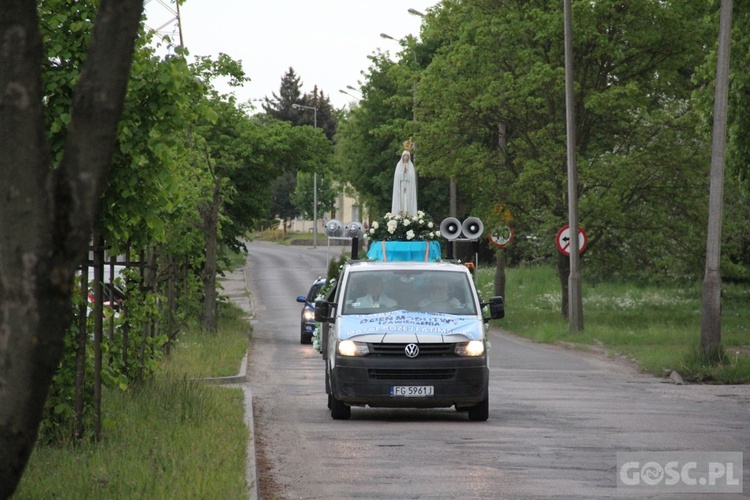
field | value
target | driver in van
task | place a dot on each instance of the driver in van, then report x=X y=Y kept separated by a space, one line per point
x=375 y=296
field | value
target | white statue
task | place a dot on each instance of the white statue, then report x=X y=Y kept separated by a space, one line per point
x=404 y=187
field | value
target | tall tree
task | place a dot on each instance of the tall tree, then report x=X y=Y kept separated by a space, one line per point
x=497 y=79
x=735 y=252
x=280 y=107
x=46 y=215
x=370 y=141
x=314 y=110
x=324 y=118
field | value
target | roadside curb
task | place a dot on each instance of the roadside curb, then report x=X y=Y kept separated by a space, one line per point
x=240 y=378
x=235 y=288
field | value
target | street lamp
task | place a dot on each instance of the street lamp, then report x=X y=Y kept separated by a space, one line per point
x=315 y=178
x=353 y=89
x=415 y=12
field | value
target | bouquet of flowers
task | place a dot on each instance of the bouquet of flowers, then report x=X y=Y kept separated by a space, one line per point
x=398 y=227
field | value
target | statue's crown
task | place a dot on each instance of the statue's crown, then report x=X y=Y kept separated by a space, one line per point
x=409 y=145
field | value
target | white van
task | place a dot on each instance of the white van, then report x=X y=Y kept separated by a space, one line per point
x=406 y=334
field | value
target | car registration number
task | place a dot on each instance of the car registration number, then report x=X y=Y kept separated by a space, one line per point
x=412 y=391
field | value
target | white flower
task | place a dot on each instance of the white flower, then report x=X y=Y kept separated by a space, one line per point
x=409 y=234
x=430 y=224
x=387 y=216
x=421 y=222
x=407 y=222
x=372 y=230
x=392 y=226
x=437 y=234
x=375 y=225
x=420 y=214
x=398 y=217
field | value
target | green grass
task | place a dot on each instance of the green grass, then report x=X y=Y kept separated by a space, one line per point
x=659 y=326
x=171 y=437
x=201 y=354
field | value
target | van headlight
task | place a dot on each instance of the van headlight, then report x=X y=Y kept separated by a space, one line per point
x=470 y=348
x=351 y=348
x=308 y=315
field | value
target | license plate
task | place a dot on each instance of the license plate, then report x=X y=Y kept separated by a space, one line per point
x=412 y=391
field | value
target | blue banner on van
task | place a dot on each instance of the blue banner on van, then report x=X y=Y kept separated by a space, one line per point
x=410 y=322
x=415 y=251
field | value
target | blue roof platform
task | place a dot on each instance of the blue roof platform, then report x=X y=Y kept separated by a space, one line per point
x=414 y=251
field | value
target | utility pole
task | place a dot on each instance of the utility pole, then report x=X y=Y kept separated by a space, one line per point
x=575 y=300
x=174 y=12
x=315 y=178
x=711 y=299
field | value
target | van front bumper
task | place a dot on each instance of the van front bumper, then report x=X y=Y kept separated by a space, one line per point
x=367 y=380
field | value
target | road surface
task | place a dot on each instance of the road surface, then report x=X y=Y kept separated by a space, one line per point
x=558 y=418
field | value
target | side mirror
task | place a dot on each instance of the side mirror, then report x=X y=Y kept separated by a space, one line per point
x=322 y=311
x=497 y=308
x=301 y=298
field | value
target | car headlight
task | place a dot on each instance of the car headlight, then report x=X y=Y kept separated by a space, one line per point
x=308 y=315
x=351 y=348
x=471 y=348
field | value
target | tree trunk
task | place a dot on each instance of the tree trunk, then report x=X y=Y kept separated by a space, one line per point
x=46 y=215
x=500 y=273
x=210 y=227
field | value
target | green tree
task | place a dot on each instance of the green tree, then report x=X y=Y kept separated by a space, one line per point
x=370 y=141
x=303 y=196
x=324 y=118
x=491 y=107
x=735 y=253
x=290 y=92
x=48 y=214
x=313 y=110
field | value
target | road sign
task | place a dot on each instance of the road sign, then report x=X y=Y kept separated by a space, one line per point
x=501 y=236
x=563 y=240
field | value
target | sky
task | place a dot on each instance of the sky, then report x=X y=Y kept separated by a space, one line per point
x=326 y=41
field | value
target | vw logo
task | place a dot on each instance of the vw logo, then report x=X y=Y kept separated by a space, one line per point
x=411 y=350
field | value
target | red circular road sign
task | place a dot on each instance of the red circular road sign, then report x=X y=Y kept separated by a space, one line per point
x=501 y=236
x=563 y=240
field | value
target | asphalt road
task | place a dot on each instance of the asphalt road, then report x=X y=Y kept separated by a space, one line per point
x=558 y=418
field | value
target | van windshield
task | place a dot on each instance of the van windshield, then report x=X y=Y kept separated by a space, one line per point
x=370 y=292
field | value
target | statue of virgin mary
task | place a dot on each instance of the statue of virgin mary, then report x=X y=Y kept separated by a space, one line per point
x=404 y=187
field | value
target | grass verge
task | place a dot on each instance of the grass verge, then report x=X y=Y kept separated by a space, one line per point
x=171 y=437
x=657 y=326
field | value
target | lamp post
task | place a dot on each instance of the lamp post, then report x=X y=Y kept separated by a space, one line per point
x=315 y=178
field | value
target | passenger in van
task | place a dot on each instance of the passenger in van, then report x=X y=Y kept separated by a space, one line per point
x=375 y=296
x=440 y=299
